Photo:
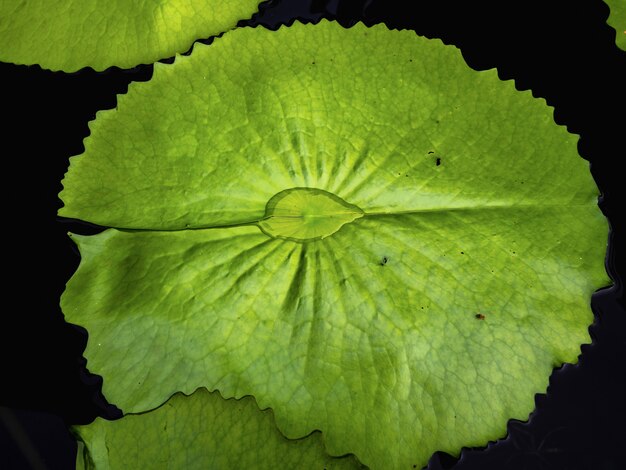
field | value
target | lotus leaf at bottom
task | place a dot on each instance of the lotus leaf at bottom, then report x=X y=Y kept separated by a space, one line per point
x=457 y=270
x=201 y=431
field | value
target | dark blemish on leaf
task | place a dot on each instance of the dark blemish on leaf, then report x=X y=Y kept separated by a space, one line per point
x=406 y=176
x=438 y=161
x=313 y=63
x=462 y=252
x=384 y=261
x=479 y=316
x=430 y=152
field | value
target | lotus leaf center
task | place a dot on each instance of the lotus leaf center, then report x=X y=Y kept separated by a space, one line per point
x=305 y=214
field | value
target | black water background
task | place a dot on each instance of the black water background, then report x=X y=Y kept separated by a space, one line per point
x=562 y=50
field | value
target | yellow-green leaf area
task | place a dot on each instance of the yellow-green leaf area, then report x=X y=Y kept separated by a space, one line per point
x=617 y=20
x=201 y=431
x=68 y=35
x=466 y=240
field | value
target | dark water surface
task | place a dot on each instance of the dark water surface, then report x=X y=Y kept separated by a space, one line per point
x=562 y=50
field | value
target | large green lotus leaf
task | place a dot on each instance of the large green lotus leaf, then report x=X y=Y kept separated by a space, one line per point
x=350 y=225
x=617 y=20
x=201 y=431
x=71 y=34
